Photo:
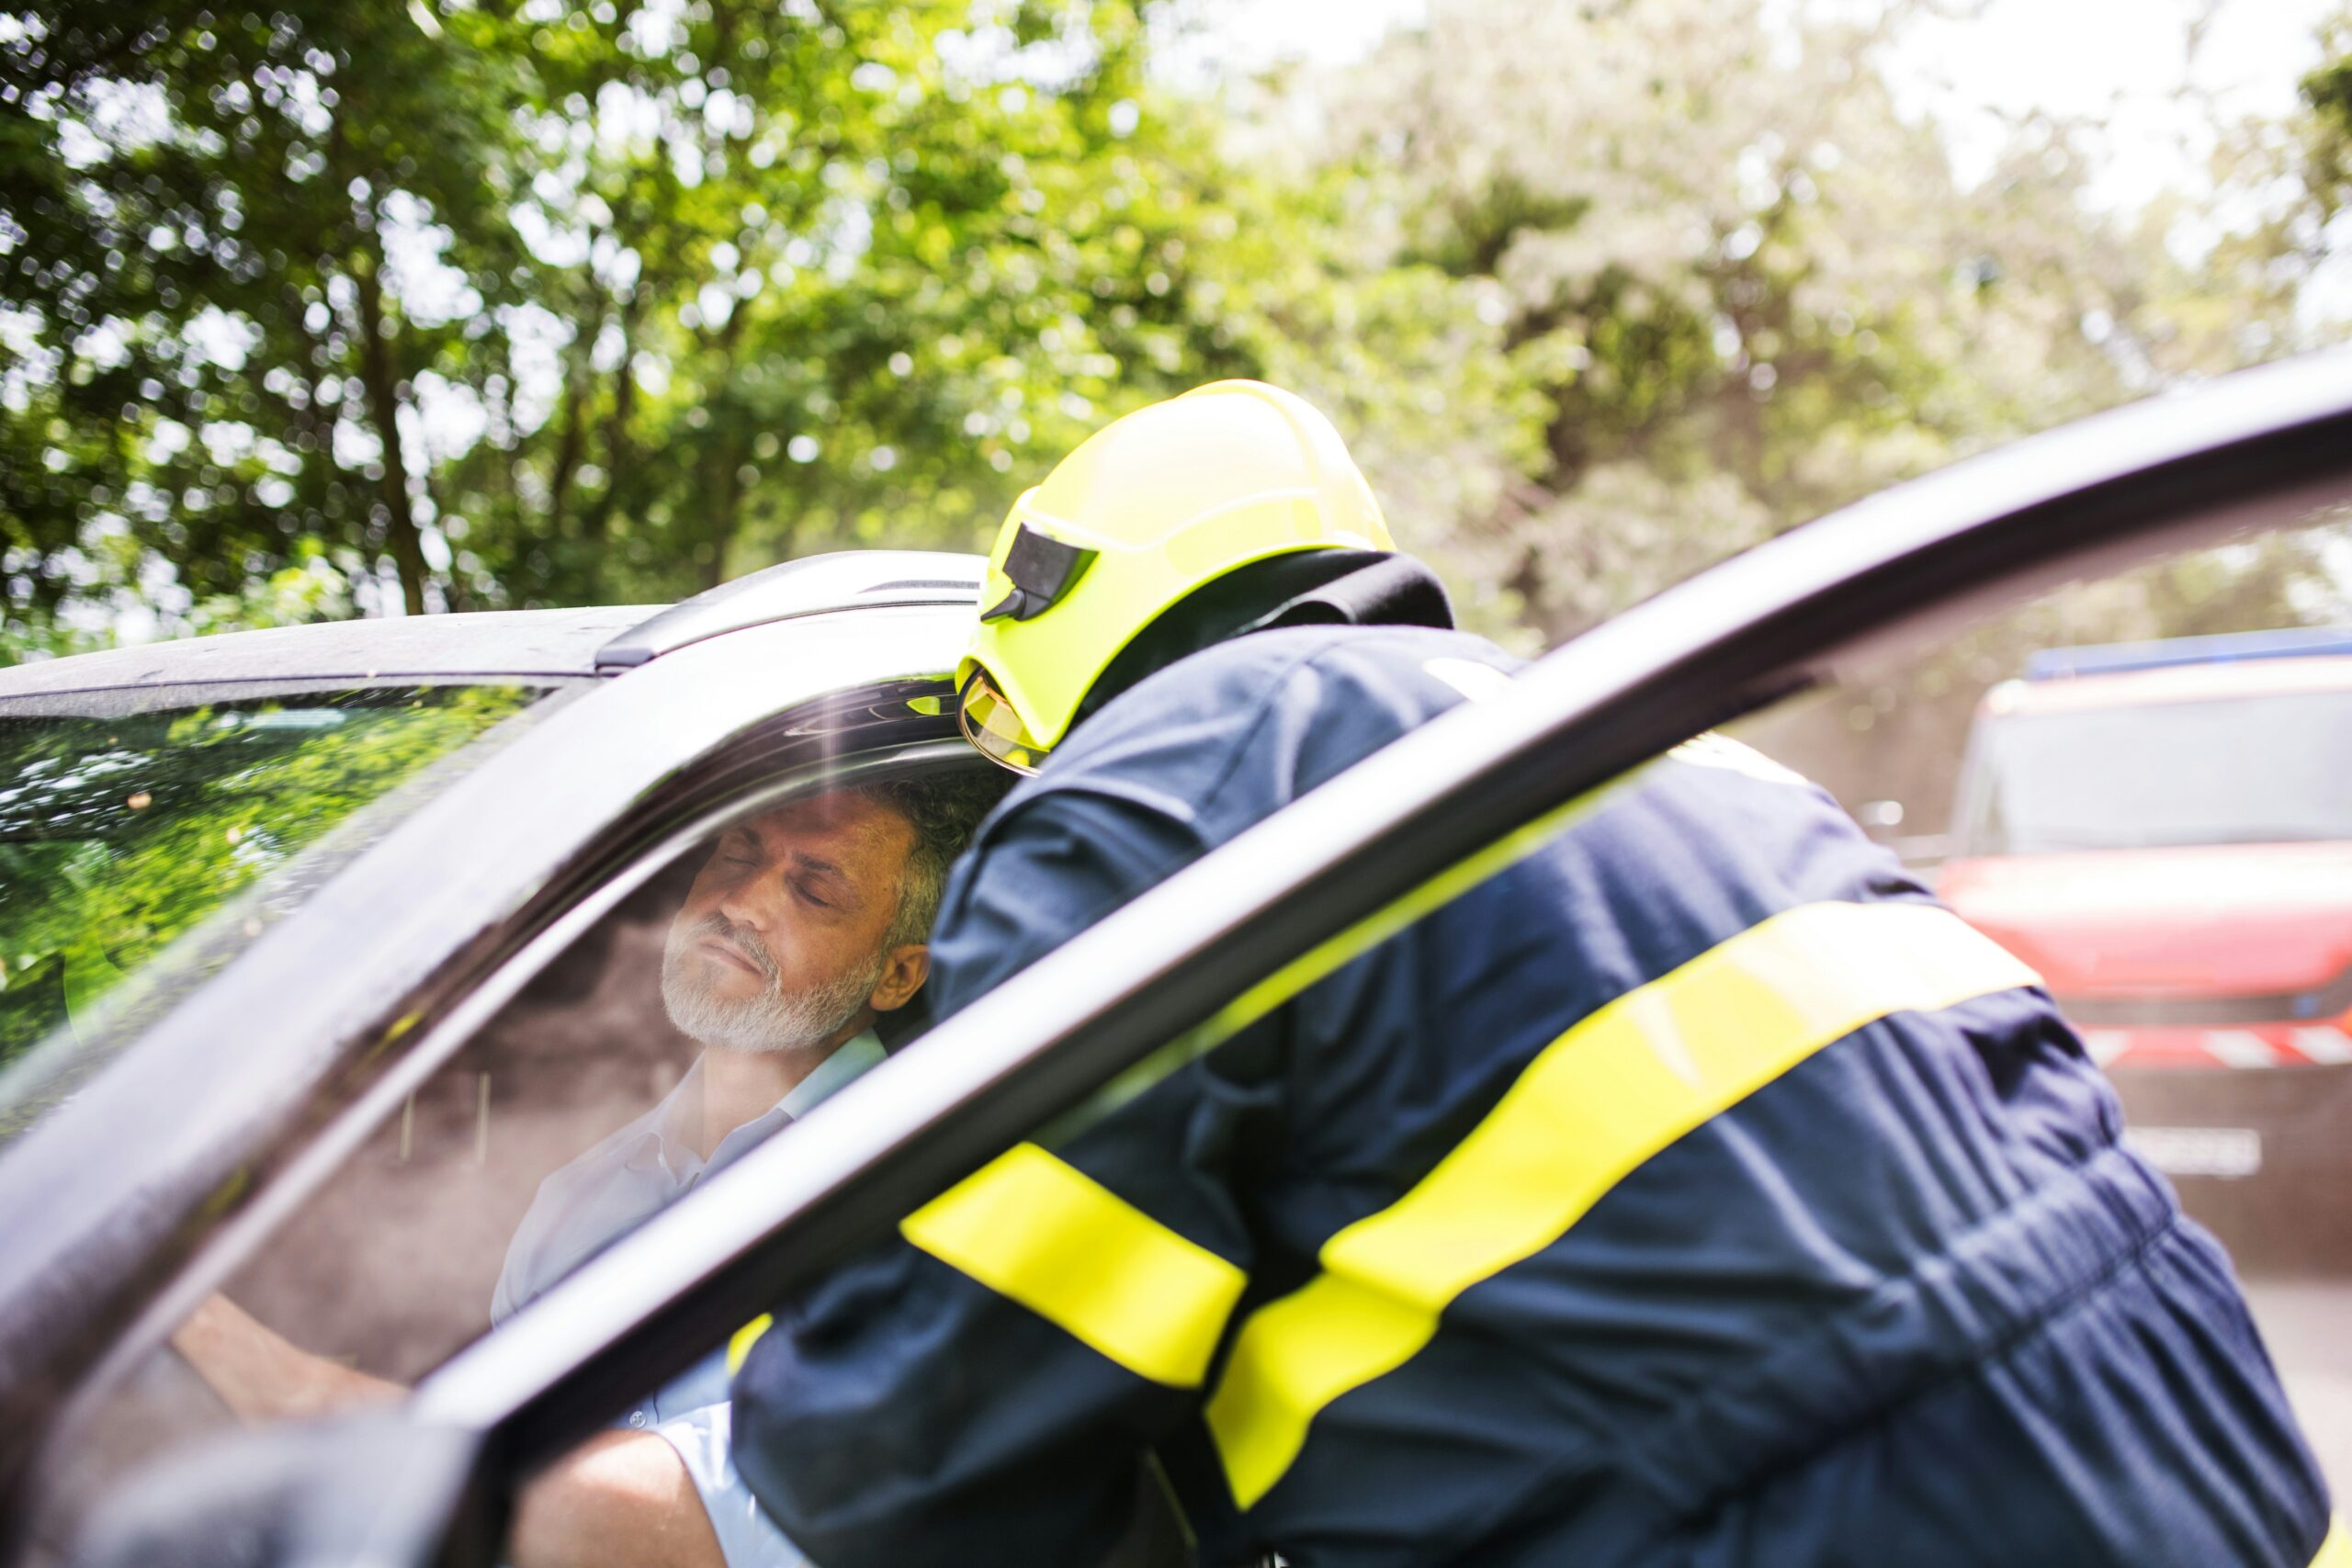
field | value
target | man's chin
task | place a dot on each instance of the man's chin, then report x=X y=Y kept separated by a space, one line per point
x=753 y=1026
x=732 y=994
x=750 y=1048
x=718 y=1024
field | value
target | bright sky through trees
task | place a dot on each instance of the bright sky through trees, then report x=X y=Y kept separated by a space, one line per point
x=1975 y=69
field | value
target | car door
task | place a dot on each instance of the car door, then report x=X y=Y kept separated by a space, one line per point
x=1235 y=934
x=263 y=1078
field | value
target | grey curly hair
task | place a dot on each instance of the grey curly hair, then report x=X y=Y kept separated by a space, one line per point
x=943 y=808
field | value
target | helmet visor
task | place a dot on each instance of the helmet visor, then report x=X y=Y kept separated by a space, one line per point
x=994 y=728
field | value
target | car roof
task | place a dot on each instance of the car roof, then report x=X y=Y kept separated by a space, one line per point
x=493 y=643
x=509 y=644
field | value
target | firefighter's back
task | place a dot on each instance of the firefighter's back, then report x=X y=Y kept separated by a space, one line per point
x=1696 y=1189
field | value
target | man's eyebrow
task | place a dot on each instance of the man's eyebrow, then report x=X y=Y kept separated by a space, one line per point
x=818 y=866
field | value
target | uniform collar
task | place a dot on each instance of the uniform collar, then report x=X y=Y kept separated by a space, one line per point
x=1363 y=588
x=1382 y=591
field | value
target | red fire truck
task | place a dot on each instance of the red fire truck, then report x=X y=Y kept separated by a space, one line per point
x=2165 y=831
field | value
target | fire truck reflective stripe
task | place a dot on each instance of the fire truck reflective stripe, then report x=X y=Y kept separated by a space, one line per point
x=1591 y=1107
x=2241 y=1048
x=1040 y=1231
x=2322 y=1044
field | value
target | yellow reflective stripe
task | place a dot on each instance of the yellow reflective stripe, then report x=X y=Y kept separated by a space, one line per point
x=1033 y=1228
x=2335 y=1552
x=1592 y=1106
x=739 y=1344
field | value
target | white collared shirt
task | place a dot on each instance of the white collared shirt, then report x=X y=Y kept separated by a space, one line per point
x=617 y=1184
x=609 y=1190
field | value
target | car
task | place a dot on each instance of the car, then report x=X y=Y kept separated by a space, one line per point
x=306 y=1043
x=2162 y=830
x=248 y=876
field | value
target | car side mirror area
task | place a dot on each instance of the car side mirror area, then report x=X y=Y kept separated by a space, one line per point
x=378 y=1489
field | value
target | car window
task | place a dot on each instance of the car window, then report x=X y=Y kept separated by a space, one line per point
x=1209 y=1305
x=2127 y=767
x=130 y=829
x=582 y=1108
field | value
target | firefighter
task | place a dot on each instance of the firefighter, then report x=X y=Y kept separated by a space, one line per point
x=1694 y=1189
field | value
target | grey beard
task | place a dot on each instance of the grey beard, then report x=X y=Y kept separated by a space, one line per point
x=767 y=1023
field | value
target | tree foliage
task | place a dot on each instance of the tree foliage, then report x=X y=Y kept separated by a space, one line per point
x=313 y=309
x=520 y=303
x=1747 y=287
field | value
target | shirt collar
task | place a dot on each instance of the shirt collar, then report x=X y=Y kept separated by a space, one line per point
x=675 y=1122
x=849 y=1060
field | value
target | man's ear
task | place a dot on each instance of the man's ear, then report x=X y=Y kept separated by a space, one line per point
x=904 y=968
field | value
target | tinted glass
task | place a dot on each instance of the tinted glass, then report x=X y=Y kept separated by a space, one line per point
x=122 y=833
x=610 y=1086
x=2241 y=771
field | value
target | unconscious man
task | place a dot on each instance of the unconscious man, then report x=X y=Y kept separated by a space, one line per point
x=806 y=923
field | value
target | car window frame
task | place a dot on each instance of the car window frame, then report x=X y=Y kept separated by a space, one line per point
x=1891 y=572
x=500 y=854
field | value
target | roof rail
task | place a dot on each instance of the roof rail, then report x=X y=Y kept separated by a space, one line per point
x=814 y=585
x=2231 y=648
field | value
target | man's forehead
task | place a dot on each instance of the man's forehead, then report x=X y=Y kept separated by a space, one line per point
x=839 y=818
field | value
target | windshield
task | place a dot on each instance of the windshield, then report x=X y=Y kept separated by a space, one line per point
x=2236 y=771
x=123 y=832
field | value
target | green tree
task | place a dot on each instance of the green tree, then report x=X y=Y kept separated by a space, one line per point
x=210 y=354
x=525 y=302
x=2327 y=95
x=1746 y=289
x=469 y=303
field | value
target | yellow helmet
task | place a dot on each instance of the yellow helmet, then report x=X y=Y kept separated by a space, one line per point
x=1145 y=511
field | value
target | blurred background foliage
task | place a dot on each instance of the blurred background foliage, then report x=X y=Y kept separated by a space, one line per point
x=313 y=309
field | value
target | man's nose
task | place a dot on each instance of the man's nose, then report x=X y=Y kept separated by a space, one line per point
x=739 y=908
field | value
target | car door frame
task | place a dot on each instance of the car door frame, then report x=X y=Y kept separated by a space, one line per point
x=1285 y=900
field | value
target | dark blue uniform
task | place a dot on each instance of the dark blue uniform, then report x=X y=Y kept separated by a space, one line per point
x=1694 y=1191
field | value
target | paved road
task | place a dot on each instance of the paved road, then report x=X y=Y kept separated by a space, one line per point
x=2308 y=1325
